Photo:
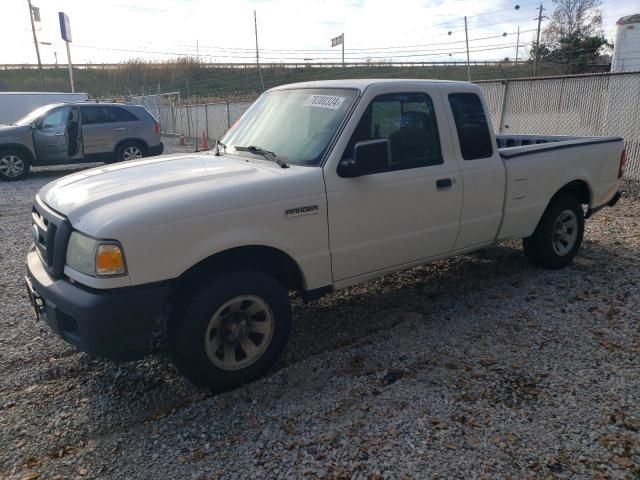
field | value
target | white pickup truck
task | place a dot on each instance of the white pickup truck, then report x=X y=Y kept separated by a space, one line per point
x=317 y=187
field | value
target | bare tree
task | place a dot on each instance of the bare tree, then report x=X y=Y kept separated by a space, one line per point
x=582 y=18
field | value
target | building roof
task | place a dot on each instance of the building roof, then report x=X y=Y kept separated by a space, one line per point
x=629 y=19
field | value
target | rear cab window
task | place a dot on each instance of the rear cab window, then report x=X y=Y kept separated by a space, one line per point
x=471 y=125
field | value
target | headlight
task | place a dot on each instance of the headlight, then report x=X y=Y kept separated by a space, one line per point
x=95 y=257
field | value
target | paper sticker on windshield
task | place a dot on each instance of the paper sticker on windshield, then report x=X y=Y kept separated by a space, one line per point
x=324 y=101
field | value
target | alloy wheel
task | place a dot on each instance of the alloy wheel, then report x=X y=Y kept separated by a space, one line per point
x=11 y=166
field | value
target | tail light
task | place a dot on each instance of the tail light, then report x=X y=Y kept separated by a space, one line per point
x=623 y=163
x=158 y=128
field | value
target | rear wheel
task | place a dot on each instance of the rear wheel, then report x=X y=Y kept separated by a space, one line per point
x=232 y=331
x=14 y=164
x=129 y=151
x=558 y=236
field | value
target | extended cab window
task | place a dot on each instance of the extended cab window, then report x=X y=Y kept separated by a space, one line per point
x=408 y=120
x=472 y=126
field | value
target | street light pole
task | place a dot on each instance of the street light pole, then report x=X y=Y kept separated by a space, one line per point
x=35 y=42
x=517 y=45
x=73 y=88
x=255 y=24
x=466 y=36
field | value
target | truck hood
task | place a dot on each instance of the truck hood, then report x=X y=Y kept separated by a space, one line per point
x=171 y=186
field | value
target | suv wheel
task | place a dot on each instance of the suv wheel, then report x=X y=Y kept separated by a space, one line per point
x=232 y=331
x=14 y=165
x=129 y=151
x=558 y=236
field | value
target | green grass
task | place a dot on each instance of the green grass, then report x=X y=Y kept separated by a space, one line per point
x=206 y=82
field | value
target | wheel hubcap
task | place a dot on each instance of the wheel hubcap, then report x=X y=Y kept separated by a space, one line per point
x=565 y=232
x=11 y=166
x=239 y=332
x=131 y=153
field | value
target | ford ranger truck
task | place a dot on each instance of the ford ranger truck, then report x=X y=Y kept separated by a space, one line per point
x=319 y=186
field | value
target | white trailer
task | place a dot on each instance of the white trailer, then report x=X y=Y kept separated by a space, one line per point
x=627 y=46
x=14 y=105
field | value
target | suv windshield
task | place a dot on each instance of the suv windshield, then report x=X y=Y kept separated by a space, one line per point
x=35 y=115
x=296 y=125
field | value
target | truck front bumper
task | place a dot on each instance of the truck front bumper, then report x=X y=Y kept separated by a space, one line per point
x=114 y=323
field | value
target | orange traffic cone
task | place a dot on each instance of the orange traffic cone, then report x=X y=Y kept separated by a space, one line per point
x=204 y=144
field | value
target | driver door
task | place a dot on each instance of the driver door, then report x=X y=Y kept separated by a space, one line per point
x=49 y=137
x=410 y=210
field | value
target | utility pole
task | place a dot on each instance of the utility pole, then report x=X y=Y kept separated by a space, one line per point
x=342 y=35
x=35 y=42
x=255 y=24
x=537 y=56
x=466 y=36
x=517 y=45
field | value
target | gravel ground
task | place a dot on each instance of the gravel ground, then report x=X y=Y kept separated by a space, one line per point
x=476 y=367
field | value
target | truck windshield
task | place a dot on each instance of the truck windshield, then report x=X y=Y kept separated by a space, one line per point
x=33 y=116
x=296 y=124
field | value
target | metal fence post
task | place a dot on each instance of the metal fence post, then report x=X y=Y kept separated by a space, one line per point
x=206 y=119
x=503 y=109
x=188 y=123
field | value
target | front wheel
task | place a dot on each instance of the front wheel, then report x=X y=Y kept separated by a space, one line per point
x=232 y=331
x=558 y=236
x=14 y=165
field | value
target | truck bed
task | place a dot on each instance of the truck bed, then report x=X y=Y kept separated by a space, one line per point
x=511 y=146
x=537 y=166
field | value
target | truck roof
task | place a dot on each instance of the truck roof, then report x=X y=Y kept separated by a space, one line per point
x=92 y=102
x=363 y=83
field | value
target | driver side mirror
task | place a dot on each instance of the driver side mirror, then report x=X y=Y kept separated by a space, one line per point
x=371 y=156
x=33 y=125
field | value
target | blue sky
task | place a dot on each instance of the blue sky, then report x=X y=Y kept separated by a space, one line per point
x=289 y=30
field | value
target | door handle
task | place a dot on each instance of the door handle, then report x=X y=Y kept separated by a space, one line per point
x=59 y=134
x=443 y=183
x=118 y=129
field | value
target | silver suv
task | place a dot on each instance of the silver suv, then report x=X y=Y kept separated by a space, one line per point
x=77 y=132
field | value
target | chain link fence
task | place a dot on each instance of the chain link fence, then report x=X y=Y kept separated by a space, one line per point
x=583 y=105
x=192 y=121
x=606 y=104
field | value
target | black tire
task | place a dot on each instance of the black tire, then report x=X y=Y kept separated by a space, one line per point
x=14 y=164
x=190 y=332
x=550 y=246
x=126 y=148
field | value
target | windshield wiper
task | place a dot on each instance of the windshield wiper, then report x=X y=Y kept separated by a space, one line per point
x=218 y=145
x=265 y=153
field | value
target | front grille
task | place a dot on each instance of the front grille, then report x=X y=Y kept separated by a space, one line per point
x=50 y=232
